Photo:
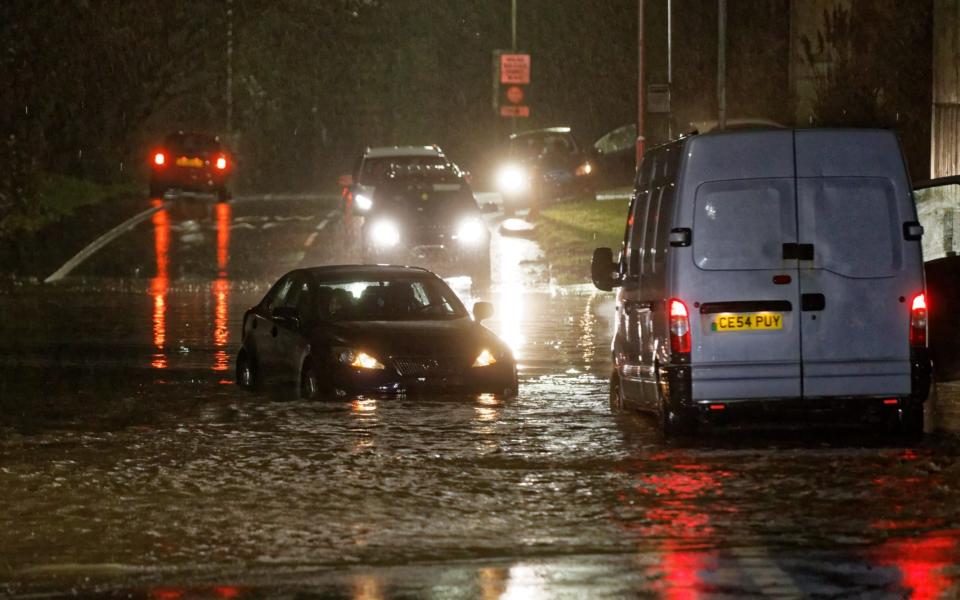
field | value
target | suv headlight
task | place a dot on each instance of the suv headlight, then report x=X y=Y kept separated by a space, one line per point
x=363 y=202
x=385 y=233
x=485 y=359
x=470 y=230
x=356 y=359
x=512 y=179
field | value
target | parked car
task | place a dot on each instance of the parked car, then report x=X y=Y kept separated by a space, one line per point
x=428 y=216
x=938 y=203
x=542 y=165
x=770 y=269
x=374 y=164
x=349 y=330
x=191 y=162
x=614 y=156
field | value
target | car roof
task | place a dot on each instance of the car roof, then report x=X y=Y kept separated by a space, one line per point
x=403 y=151
x=532 y=132
x=350 y=271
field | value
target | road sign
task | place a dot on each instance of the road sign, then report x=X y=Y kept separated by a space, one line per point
x=515 y=69
x=514 y=111
x=511 y=78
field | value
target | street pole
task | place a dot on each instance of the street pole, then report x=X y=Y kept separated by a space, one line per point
x=670 y=67
x=229 y=67
x=640 y=83
x=722 y=65
x=513 y=48
x=513 y=25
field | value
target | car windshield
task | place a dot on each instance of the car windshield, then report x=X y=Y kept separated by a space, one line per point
x=388 y=300
x=533 y=145
x=375 y=169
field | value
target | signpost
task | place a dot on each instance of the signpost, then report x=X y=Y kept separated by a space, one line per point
x=511 y=84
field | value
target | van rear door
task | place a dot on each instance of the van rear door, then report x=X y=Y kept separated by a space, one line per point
x=859 y=275
x=742 y=294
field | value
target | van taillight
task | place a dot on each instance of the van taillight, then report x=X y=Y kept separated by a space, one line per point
x=679 y=327
x=221 y=162
x=918 y=321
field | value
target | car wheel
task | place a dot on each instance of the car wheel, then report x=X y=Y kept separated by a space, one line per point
x=247 y=376
x=616 y=395
x=309 y=387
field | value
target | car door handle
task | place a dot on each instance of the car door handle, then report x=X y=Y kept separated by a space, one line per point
x=793 y=251
x=812 y=302
x=273 y=331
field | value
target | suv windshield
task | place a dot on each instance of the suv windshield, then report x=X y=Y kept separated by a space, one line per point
x=545 y=143
x=388 y=300
x=375 y=169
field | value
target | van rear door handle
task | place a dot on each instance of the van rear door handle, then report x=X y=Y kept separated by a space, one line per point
x=793 y=251
x=812 y=302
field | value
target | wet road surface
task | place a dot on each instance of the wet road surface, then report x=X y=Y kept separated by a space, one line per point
x=131 y=464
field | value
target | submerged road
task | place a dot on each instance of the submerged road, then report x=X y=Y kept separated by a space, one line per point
x=132 y=466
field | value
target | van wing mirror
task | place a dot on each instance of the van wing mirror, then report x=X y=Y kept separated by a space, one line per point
x=912 y=231
x=482 y=311
x=603 y=270
x=680 y=237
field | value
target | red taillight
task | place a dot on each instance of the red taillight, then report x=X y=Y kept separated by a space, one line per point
x=679 y=327
x=221 y=162
x=159 y=159
x=918 y=321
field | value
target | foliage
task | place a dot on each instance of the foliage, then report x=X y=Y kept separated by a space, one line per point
x=871 y=62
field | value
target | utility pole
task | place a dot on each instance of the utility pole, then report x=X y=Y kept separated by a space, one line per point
x=229 y=131
x=513 y=25
x=670 y=67
x=722 y=64
x=641 y=87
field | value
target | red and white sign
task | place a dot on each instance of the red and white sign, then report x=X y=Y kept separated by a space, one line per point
x=515 y=94
x=515 y=68
x=514 y=111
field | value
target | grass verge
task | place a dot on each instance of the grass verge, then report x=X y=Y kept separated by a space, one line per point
x=569 y=232
x=58 y=197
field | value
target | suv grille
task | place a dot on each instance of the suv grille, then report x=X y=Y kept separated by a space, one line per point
x=417 y=366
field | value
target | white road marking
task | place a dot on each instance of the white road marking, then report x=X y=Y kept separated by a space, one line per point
x=102 y=241
x=313 y=236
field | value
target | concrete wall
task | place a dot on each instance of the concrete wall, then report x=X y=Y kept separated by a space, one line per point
x=945 y=135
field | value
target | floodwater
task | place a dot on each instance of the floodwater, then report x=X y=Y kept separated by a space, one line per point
x=130 y=465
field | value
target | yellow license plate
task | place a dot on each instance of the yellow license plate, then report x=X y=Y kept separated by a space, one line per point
x=759 y=321
x=183 y=161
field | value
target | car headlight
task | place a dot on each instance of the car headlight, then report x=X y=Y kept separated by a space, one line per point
x=471 y=230
x=363 y=202
x=485 y=359
x=512 y=179
x=385 y=233
x=584 y=169
x=356 y=359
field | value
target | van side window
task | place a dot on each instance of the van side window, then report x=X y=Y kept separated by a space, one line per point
x=650 y=237
x=636 y=244
x=663 y=226
x=742 y=224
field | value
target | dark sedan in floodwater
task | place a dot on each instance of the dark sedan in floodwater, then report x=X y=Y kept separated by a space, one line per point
x=365 y=329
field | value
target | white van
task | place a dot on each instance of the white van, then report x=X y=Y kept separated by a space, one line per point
x=770 y=269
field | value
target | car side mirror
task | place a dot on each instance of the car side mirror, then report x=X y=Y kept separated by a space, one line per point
x=603 y=270
x=482 y=311
x=287 y=314
x=345 y=180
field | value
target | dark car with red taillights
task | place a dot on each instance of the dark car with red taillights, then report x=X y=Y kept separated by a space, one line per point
x=371 y=330
x=191 y=162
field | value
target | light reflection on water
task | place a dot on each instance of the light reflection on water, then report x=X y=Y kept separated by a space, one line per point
x=159 y=284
